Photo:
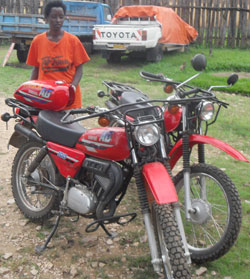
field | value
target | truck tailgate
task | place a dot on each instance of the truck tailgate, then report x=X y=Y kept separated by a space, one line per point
x=125 y=34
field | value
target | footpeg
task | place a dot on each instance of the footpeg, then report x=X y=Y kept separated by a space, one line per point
x=92 y=227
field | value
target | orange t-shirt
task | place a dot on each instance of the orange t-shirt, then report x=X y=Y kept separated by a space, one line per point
x=58 y=60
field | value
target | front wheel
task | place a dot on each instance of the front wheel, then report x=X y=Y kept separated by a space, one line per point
x=34 y=200
x=214 y=226
x=169 y=242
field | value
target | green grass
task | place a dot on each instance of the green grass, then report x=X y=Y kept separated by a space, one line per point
x=232 y=125
x=97 y=70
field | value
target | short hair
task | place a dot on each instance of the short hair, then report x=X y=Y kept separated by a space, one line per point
x=54 y=4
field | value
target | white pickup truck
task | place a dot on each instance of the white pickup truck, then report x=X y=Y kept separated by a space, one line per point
x=142 y=29
x=128 y=36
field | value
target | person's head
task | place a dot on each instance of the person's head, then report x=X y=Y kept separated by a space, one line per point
x=54 y=4
x=54 y=14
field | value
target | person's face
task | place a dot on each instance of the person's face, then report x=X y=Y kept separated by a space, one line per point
x=55 y=18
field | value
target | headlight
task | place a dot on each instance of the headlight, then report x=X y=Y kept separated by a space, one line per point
x=147 y=134
x=206 y=110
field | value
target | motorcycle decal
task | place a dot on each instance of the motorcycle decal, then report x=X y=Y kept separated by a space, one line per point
x=31 y=97
x=106 y=136
x=95 y=145
x=63 y=155
x=109 y=143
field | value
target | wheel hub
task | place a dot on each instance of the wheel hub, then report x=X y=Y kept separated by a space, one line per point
x=202 y=211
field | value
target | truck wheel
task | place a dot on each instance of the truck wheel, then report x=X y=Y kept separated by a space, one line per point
x=88 y=47
x=22 y=55
x=155 y=54
x=114 y=58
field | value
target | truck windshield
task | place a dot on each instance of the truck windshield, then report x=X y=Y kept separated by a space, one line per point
x=107 y=14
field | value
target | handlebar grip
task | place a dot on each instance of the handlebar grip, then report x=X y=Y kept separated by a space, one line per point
x=186 y=93
x=150 y=75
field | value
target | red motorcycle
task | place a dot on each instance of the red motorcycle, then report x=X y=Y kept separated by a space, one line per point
x=210 y=203
x=63 y=169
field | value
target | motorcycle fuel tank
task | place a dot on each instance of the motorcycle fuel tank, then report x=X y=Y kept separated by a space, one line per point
x=172 y=119
x=49 y=95
x=109 y=143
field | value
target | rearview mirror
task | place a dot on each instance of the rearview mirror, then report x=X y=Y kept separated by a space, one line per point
x=199 y=62
x=109 y=17
x=232 y=79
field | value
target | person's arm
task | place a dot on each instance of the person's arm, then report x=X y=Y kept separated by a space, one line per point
x=34 y=73
x=77 y=76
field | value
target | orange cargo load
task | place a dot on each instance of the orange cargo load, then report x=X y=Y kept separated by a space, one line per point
x=174 y=29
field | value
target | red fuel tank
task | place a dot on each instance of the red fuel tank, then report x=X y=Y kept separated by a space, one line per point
x=49 y=95
x=172 y=119
x=108 y=143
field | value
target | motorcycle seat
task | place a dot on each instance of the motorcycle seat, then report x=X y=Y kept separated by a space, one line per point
x=130 y=97
x=50 y=128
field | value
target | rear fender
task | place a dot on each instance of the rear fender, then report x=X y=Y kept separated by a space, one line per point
x=17 y=140
x=176 y=152
x=159 y=183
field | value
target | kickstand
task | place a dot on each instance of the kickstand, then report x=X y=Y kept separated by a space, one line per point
x=40 y=248
x=106 y=231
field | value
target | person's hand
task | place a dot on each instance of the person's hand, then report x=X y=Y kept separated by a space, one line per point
x=72 y=86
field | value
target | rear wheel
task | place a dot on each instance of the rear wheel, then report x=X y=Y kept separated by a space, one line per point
x=34 y=201
x=114 y=57
x=88 y=47
x=170 y=242
x=155 y=54
x=22 y=55
x=215 y=225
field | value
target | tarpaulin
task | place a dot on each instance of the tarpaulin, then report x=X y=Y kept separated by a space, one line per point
x=174 y=29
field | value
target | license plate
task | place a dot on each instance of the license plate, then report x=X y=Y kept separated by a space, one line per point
x=118 y=46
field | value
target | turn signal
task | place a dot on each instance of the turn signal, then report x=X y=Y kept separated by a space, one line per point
x=174 y=109
x=168 y=88
x=103 y=121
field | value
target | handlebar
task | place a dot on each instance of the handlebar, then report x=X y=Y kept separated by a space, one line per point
x=180 y=93
x=147 y=75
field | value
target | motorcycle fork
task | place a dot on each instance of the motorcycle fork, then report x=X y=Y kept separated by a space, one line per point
x=144 y=205
x=176 y=205
x=186 y=166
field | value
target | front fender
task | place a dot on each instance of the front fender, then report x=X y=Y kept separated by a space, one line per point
x=160 y=183
x=176 y=151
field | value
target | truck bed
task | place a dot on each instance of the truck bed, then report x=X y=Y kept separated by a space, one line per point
x=20 y=25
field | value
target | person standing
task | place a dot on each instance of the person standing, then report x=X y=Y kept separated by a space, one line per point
x=57 y=54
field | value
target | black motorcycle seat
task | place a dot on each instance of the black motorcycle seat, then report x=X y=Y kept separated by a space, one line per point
x=50 y=128
x=131 y=97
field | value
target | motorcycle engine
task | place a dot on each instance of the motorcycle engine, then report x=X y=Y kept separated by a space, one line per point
x=81 y=200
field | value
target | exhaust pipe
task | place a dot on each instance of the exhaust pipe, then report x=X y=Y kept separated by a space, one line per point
x=28 y=133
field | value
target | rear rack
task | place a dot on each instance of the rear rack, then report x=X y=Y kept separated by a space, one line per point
x=118 y=88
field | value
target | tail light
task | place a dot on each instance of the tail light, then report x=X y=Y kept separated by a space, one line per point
x=17 y=110
x=144 y=35
x=72 y=96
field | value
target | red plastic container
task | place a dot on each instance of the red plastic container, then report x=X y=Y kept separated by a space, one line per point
x=48 y=95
